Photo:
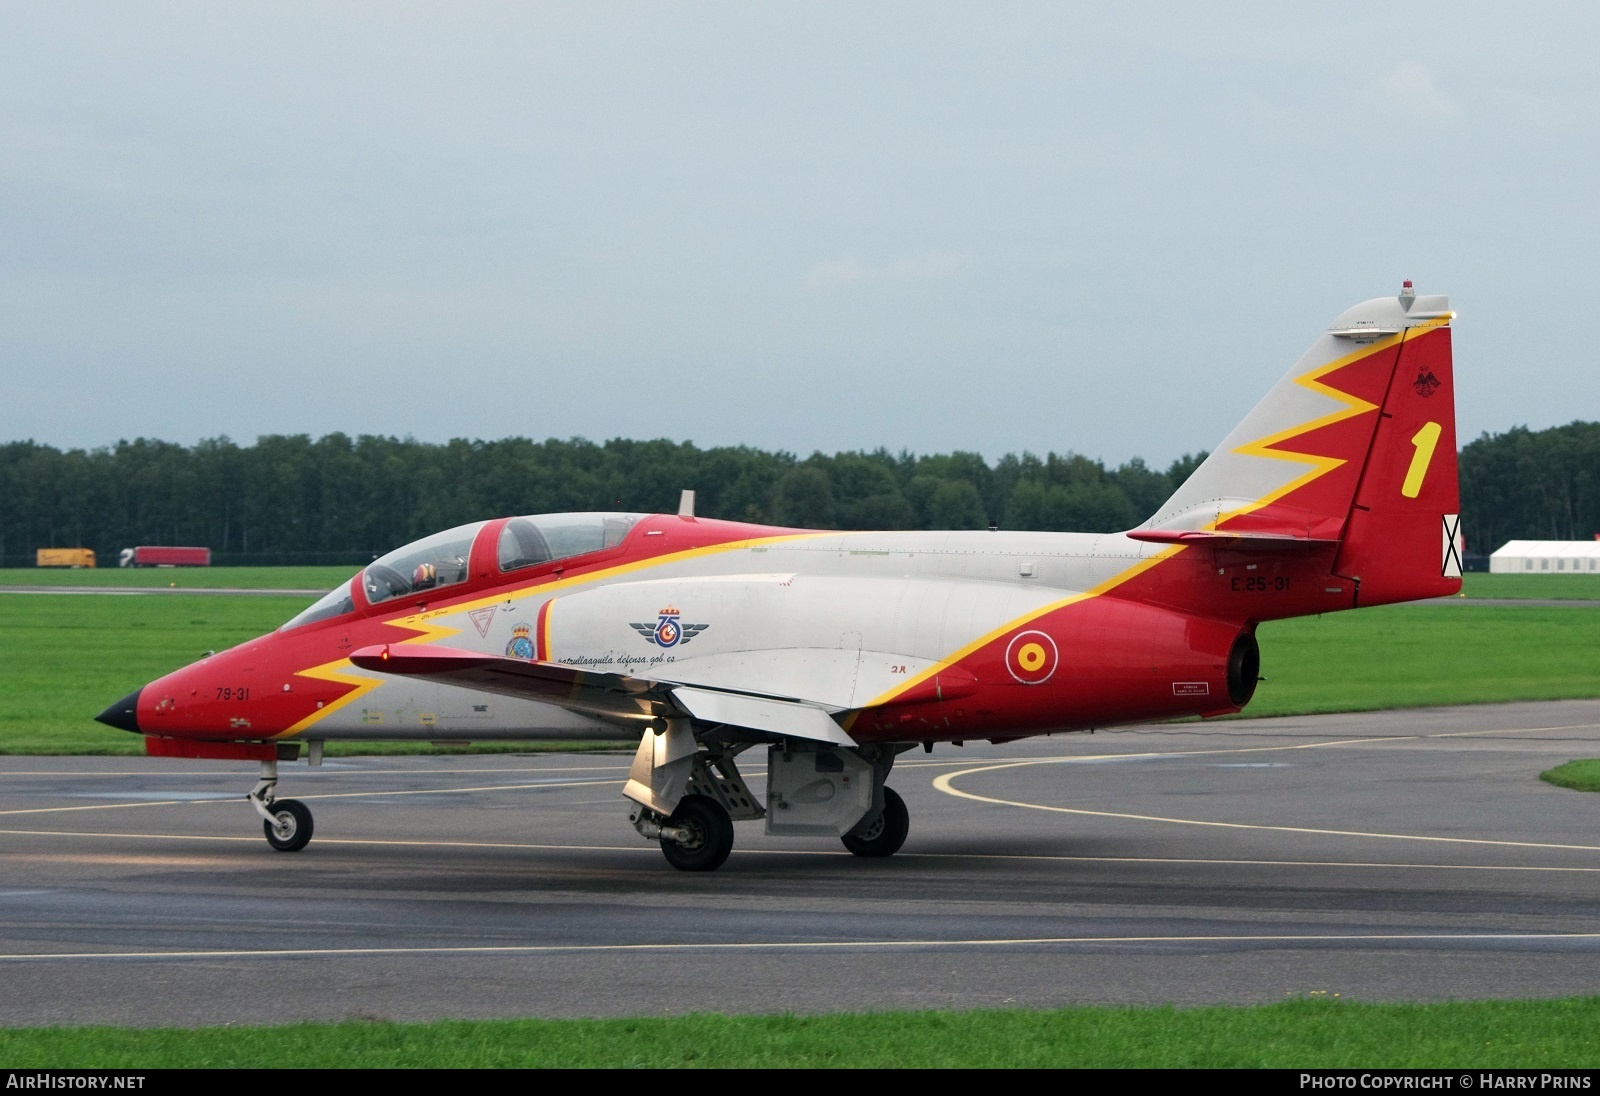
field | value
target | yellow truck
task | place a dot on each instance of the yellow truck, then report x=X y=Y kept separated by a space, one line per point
x=66 y=557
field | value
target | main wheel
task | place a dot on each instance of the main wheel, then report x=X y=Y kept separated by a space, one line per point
x=708 y=835
x=290 y=827
x=885 y=836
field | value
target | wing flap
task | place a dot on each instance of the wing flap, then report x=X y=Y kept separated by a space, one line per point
x=785 y=717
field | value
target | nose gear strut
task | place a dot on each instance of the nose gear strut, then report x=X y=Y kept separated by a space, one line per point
x=286 y=822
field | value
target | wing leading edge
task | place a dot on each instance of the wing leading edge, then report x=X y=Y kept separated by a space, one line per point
x=600 y=693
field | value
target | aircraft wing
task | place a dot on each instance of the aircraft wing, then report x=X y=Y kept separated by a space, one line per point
x=599 y=693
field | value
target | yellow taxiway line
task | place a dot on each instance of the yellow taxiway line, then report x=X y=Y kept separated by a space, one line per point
x=650 y=847
x=946 y=784
x=316 y=795
x=815 y=945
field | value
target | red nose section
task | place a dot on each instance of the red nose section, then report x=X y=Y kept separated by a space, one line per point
x=255 y=691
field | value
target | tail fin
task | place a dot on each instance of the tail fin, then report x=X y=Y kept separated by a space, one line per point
x=1356 y=445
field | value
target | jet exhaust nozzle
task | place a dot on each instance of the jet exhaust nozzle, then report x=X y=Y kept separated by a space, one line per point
x=1244 y=669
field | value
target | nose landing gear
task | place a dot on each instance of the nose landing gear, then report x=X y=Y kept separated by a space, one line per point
x=290 y=827
x=286 y=822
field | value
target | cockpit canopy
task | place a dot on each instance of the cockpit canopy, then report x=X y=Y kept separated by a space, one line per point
x=542 y=538
x=426 y=564
x=440 y=561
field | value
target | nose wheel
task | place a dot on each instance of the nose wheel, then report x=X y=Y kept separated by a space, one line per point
x=289 y=828
x=286 y=822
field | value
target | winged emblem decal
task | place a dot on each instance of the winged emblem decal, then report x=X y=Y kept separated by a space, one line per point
x=668 y=630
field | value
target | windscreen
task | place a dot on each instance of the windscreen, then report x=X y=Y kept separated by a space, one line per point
x=335 y=602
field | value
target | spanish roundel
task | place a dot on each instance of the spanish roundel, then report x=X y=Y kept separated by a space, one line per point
x=1031 y=657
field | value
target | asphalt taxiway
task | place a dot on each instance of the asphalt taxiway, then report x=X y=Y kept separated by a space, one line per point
x=1385 y=856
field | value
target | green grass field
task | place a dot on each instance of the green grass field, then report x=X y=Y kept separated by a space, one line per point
x=1583 y=776
x=1582 y=587
x=1415 y=655
x=184 y=578
x=69 y=656
x=1296 y=1034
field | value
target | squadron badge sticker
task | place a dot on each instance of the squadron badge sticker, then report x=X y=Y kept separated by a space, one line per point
x=669 y=631
x=521 y=645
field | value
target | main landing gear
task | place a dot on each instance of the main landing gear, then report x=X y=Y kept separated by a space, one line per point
x=687 y=795
x=701 y=835
x=286 y=822
x=687 y=798
x=884 y=835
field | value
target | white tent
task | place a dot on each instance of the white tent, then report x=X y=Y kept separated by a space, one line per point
x=1546 y=557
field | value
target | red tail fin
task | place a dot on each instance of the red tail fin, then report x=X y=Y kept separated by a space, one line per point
x=1402 y=541
x=1356 y=446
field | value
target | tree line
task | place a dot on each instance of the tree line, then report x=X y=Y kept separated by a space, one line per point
x=338 y=499
x=1531 y=485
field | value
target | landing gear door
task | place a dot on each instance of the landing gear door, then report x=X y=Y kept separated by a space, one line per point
x=815 y=792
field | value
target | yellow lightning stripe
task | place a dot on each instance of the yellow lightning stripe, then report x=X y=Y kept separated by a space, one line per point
x=336 y=673
x=428 y=632
x=1027 y=618
x=1353 y=405
x=1320 y=466
x=542 y=589
x=1312 y=381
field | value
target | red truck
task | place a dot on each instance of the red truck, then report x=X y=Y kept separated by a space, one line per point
x=157 y=556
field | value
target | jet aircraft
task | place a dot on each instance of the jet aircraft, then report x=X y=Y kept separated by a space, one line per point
x=834 y=652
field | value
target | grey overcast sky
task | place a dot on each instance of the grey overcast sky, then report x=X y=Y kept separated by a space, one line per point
x=993 y=227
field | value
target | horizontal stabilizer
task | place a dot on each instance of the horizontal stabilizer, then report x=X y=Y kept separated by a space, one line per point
x=1355 y=447
x=1226 y=539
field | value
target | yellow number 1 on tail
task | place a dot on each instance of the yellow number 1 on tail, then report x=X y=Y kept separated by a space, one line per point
x=1425 y=440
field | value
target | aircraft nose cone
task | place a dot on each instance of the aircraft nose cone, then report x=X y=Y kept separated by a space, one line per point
x=123 y=715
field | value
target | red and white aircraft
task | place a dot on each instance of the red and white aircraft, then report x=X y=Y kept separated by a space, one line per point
x=836 y=651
